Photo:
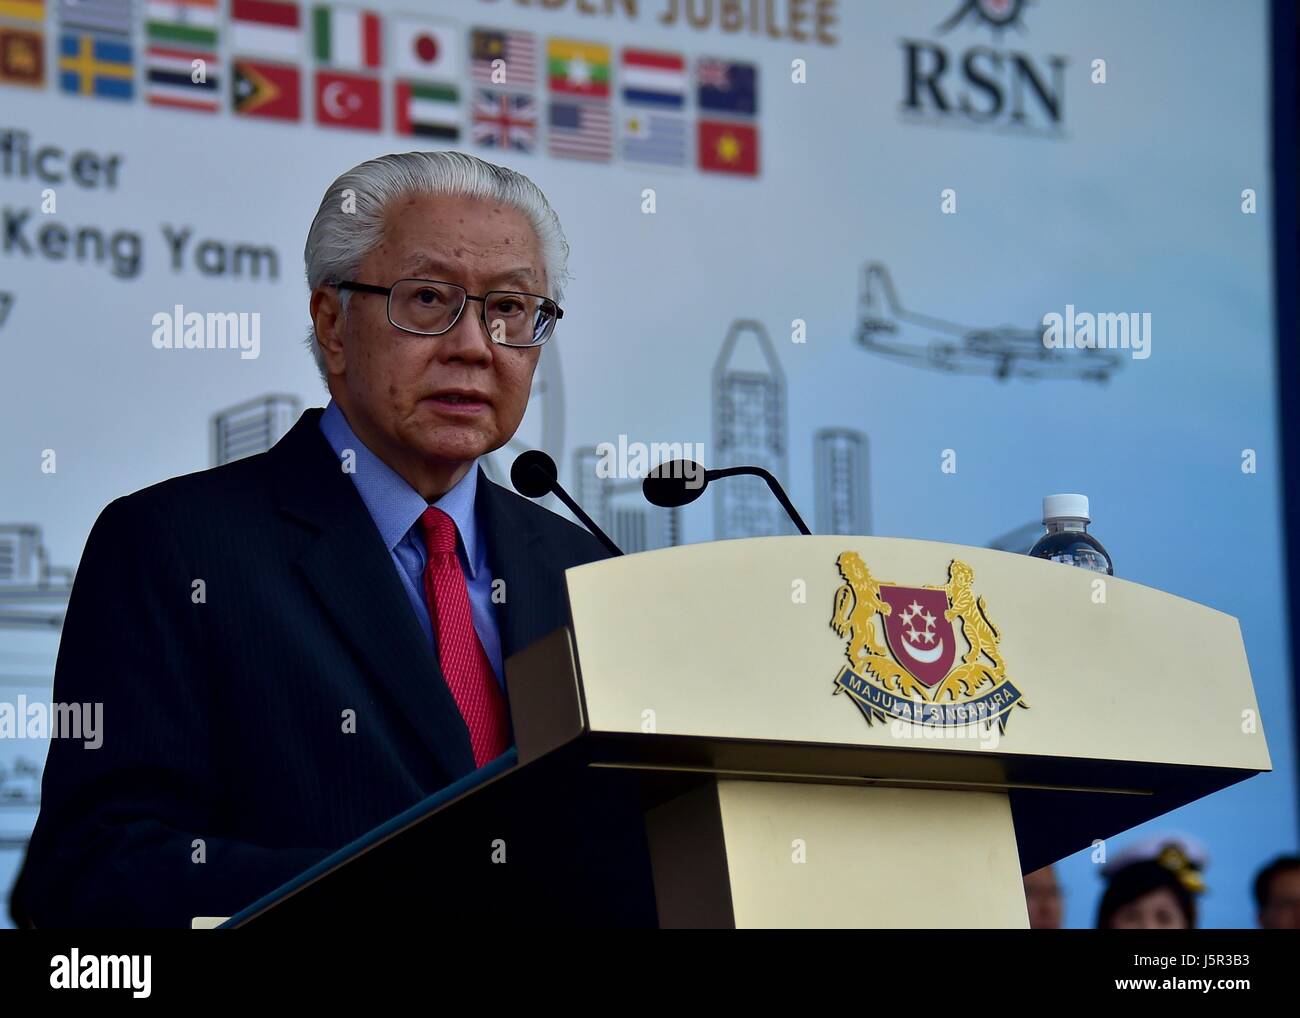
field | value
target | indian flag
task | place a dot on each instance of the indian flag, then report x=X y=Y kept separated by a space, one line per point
x=428 y=111
x=346 y=37
x=24 y=10
x=188 y=23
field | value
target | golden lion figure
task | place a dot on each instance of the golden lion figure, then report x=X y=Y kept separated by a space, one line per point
x=978 y=631
x=856 y=604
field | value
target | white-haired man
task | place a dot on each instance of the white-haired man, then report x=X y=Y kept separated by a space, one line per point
x=363 y=580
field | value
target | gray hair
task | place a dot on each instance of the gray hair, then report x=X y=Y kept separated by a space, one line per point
x=347 y=227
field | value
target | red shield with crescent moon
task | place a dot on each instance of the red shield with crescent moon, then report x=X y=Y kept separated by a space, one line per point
x=921 y=639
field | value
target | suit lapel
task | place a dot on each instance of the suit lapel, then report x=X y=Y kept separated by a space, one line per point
x=517 y=556
x=354 y=576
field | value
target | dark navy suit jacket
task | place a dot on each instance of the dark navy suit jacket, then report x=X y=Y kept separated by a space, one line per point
x=224 y=720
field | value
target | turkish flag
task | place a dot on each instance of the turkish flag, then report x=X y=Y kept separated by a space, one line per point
x=347 y=100
x=727 y=147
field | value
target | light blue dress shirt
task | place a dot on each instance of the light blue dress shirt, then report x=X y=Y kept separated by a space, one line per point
x=396 y=508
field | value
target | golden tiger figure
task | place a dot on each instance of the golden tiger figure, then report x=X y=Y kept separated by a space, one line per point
x=856 y=603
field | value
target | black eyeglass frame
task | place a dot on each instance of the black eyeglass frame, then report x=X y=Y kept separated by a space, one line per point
x=387 y=291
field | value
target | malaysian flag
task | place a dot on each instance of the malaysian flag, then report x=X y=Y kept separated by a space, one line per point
x=518 y=50
x=503 y=120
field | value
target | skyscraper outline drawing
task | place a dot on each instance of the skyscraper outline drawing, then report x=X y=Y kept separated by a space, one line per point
x=745 y=435
x=251 y=427
x=841 y=481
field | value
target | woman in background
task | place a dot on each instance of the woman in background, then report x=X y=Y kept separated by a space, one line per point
x=1152 y=894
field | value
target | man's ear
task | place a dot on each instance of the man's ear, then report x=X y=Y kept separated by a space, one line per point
x=327 y=316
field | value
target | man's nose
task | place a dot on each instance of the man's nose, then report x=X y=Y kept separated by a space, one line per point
x=467 y=339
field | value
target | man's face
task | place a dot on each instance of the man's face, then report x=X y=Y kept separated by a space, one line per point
x=429 y=405
x=1282 y=910
x=1043 y=899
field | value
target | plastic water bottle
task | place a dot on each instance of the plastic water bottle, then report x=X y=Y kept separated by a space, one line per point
x=1067 y=539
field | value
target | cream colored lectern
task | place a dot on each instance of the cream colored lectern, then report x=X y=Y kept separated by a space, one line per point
x=885 y=732
x=811 y=731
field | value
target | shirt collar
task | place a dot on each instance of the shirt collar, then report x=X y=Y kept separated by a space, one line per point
x=393 y=504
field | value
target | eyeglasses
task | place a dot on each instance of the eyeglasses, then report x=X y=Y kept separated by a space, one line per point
x=430 y=307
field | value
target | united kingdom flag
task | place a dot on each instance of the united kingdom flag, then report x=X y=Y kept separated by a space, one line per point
x=504 y=120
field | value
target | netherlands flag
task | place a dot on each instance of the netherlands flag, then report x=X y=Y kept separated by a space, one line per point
x=654 y=79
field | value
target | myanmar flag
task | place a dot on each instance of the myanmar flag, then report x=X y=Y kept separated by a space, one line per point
x=345 y=37
x=578 y=68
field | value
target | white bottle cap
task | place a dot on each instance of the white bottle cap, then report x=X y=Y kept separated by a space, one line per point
x=1059 y=507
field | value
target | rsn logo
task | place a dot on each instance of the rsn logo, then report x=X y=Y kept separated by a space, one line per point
x=983 y=85
x=101 y=972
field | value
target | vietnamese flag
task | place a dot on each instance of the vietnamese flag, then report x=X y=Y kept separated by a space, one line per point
x=728 y=148
x=347 y=100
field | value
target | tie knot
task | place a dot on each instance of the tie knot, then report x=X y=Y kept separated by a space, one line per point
x=439 y=532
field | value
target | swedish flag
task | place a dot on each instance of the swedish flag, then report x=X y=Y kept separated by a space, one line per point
x=96 y=65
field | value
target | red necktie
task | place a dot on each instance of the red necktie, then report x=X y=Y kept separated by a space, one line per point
x=464 y=664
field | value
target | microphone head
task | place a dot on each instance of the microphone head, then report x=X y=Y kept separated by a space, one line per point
x=534 y=474
x=675 y=483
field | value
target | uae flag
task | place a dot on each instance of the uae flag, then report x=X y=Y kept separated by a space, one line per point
x=347 y=100
x=428 y=111
x=266 y=90
x=346 y=37
x=423 y=49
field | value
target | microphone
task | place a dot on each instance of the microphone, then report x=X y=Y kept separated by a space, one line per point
x=534 y=475
x=680 y=482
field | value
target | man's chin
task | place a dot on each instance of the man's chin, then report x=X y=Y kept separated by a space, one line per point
x=455 y=445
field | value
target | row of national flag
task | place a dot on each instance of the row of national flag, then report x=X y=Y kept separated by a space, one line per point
x=573 y=98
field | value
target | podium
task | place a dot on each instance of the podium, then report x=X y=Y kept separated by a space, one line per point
x=812 y=732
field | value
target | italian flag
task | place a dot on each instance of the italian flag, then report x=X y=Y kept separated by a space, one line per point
x=346 y=37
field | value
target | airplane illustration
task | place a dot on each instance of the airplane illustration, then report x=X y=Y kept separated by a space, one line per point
x=886 y=327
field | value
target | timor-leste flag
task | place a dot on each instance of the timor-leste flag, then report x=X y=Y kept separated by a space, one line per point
x=578 y=68
x=266 y=90
x=22 y=57
x=728 y=148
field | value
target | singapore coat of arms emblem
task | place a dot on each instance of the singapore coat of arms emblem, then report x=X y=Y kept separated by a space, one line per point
x=914 y=673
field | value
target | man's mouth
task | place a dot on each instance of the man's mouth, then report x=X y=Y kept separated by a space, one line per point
x=459 y=401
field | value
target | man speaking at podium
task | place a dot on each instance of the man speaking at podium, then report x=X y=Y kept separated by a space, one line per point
x=295 y=647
